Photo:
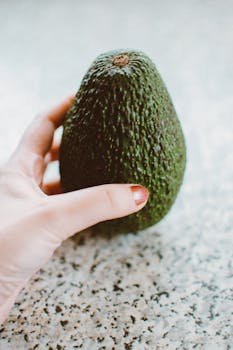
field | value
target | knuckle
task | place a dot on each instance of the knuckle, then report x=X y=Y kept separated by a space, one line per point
x=115 y=204
x=109 y=199
x=119 y=201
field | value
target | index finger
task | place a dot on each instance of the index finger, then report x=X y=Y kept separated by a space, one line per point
x=38 y=136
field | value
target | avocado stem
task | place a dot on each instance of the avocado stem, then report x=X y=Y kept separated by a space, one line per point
x=121 y=60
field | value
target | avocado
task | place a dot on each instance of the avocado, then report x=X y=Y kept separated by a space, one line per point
x=123 y=128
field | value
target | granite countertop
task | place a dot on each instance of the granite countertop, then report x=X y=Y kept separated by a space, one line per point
x=154 y=290
x=168 y=287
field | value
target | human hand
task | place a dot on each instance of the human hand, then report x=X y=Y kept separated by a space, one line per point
x=35 y=217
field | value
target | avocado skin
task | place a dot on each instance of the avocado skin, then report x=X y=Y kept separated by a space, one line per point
x=123 y=128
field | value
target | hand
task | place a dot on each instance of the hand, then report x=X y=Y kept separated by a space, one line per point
x=35 y=217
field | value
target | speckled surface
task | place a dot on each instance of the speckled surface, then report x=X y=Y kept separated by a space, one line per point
x=170 y=287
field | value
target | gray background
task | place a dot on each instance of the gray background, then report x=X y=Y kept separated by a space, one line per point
x=45 y=48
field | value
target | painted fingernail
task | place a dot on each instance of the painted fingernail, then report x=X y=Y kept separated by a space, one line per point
x=140 y=194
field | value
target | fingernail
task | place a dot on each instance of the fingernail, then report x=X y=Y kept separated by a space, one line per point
x=140 y=194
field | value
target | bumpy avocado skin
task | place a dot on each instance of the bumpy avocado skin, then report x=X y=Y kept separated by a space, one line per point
x=123 y=128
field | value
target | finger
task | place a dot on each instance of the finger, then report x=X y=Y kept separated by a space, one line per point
x=52 y=187
x=37 y=140
x=39 y=135
x=53 y=153
x=74 y=211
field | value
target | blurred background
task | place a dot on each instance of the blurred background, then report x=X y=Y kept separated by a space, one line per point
x=46 y=48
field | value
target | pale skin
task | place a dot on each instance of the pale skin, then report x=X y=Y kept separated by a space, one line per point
x=36 y=217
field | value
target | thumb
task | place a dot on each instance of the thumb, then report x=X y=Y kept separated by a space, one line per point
x=74 y=211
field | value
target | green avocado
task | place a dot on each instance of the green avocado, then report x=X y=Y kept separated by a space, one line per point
x=123 y=128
